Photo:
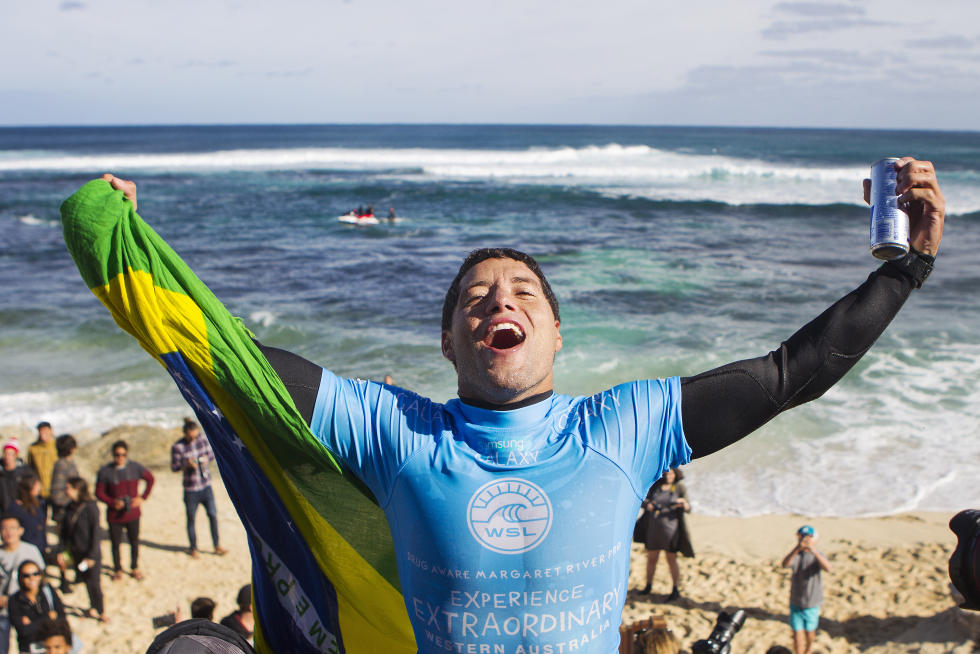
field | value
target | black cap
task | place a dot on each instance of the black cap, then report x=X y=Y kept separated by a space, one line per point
x=199 y=636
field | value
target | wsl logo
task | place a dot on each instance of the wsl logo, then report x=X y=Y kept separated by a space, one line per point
x=509 y=516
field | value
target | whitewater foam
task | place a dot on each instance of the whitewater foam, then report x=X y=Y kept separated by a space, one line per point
x=613 y=169
x=902 y=436
x=31 y=219
x=264 y=318
x=98 y=407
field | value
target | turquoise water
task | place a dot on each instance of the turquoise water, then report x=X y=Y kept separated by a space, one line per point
x=672 y=250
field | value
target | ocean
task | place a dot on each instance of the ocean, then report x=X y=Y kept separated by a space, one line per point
x=671 y=250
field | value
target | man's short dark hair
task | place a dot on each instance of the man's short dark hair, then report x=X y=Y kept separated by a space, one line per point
x=65 y=444
x=56 y=627
x=43 y=423
x=203 y=607
x=11 y=516
x=118 y=444
x=475 y=257
x=244 y=598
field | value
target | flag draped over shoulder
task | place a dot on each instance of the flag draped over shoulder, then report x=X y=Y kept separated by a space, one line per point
x=323 y=564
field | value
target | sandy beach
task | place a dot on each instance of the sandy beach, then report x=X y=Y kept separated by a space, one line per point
x=888 y=590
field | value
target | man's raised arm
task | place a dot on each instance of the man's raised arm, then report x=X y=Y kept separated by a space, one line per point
x=300 y=377
x=277 y=472
x=723 y=405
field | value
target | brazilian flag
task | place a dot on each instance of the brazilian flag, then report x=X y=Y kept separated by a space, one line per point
x=323 y=564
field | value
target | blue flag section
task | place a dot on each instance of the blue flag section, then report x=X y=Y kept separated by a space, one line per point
x=306 y=613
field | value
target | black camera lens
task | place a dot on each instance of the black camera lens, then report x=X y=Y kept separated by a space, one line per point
x=719 y=642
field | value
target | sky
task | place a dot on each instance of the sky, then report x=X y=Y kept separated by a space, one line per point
x=891 y=64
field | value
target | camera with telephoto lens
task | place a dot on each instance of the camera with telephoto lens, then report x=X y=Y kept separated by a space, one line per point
x=964 y=564
x=657 y=509
x=719 y=642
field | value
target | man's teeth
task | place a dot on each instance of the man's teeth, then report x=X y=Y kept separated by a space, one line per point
x=506 y=325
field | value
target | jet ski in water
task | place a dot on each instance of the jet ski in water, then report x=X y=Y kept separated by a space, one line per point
x=355 y=219
x=360 y=216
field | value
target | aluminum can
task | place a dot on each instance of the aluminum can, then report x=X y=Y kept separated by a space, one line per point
x=889 y=223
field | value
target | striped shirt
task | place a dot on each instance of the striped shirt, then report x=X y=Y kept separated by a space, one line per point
x=198 y=451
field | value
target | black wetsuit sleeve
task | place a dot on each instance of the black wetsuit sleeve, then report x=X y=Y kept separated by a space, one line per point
x=721 y=406
x=301 y=378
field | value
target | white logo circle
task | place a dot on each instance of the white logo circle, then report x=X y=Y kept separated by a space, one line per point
x=509 y=516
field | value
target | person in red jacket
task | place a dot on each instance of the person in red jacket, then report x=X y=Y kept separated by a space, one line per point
x=117 y=485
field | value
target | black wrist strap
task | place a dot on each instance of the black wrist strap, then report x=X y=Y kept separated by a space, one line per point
x=914 y=265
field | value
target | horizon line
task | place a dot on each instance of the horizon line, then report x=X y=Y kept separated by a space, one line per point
x=481 y=124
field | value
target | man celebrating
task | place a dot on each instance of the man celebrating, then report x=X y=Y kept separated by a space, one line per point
x=511 y=507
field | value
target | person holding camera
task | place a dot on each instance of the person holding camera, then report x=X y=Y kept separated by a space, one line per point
x=117 y=484
x=664 y=509
x=806 y=588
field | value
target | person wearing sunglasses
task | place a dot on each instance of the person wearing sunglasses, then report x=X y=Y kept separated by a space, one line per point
x=117 y=484
x=13 y=553
x=31 y=604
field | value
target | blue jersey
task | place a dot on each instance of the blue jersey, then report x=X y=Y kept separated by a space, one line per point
x=512 y=528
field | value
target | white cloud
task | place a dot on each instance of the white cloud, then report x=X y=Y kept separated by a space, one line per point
x=820 y=9
x=513 y=61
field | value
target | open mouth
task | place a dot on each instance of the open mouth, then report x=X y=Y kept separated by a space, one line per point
x=504 y=336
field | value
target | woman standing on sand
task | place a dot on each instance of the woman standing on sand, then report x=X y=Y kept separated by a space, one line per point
x=80 y=534
x=666 y=531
